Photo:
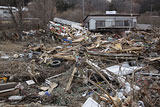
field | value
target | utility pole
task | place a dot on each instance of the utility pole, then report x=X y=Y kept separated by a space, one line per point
x=131 y=9
x=131 y=12
x=151 y=13
x=44 y=14
x=83 y=4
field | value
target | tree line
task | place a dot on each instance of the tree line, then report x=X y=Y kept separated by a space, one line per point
x=46 y=10
x=136 y=6
x=122 y=6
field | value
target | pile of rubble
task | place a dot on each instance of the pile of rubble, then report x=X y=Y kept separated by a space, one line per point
x=98 y=69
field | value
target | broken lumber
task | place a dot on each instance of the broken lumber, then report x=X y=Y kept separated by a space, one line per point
x=110 y=55
x=71 y=78
x=70 y=58
x=103 y=91
x=78 y=40
x=9 y=89
x=99 y=73
x=153 y=59
x=131 y=49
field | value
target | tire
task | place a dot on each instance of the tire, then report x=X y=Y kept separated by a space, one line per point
x=55 y=63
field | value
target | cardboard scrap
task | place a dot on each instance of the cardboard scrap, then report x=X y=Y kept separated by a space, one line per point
x=117 y=46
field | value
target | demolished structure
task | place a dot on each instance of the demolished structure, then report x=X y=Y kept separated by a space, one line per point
x=88 y=69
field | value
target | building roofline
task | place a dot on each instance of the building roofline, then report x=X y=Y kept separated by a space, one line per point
x=7 y=7
x=110 y=15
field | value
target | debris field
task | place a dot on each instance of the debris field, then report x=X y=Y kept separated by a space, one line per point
x=67 y=65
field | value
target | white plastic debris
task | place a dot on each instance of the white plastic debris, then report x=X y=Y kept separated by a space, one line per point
x=91 y=103
x=5 y=57
x=15 y=97
x=127 y=32
x=122 y=79
x=120 y=95
x=42 y=93
x=59 y=47
x=128 y=87
x=125 y=69
x=21 y=55
x=30 y=82
x=30 y=55
x=136 y=87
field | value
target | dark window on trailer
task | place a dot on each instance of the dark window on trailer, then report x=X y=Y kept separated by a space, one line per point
x=119 y=22
x=5 y=12
x=126 y=23
x=100 y=24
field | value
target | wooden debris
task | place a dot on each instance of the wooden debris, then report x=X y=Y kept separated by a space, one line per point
x=9 y=89
x=78 y=40
x=98 y=72
x=103 y=91
x=70 y=58
x=52 y=86
x=111 y=55
x=153 y=59
x=116 y=100
x=70 y=79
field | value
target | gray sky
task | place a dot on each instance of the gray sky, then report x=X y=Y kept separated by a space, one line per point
x=110 y=0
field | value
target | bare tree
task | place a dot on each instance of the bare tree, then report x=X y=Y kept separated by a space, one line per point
x=126 y=6
x=91 y=7
x=71 y=14
x=18 y=16
x=45 y=10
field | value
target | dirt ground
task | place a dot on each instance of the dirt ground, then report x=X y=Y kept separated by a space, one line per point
x=16 y=69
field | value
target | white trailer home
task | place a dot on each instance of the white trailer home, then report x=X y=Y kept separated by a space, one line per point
x=100 y=22
x=4 y=11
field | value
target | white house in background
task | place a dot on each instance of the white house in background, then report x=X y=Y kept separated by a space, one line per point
x=100 y=22
x=4 y=11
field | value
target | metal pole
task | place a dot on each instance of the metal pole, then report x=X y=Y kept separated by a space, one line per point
x=151 y=14
x=131 y=12
x=83 y=3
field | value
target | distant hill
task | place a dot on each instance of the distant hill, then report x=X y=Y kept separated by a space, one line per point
x=12 y=2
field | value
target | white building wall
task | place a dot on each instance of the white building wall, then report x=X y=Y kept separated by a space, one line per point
x=109 y=20
x=92 y=24
x=4 y=12
x=1 y=11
